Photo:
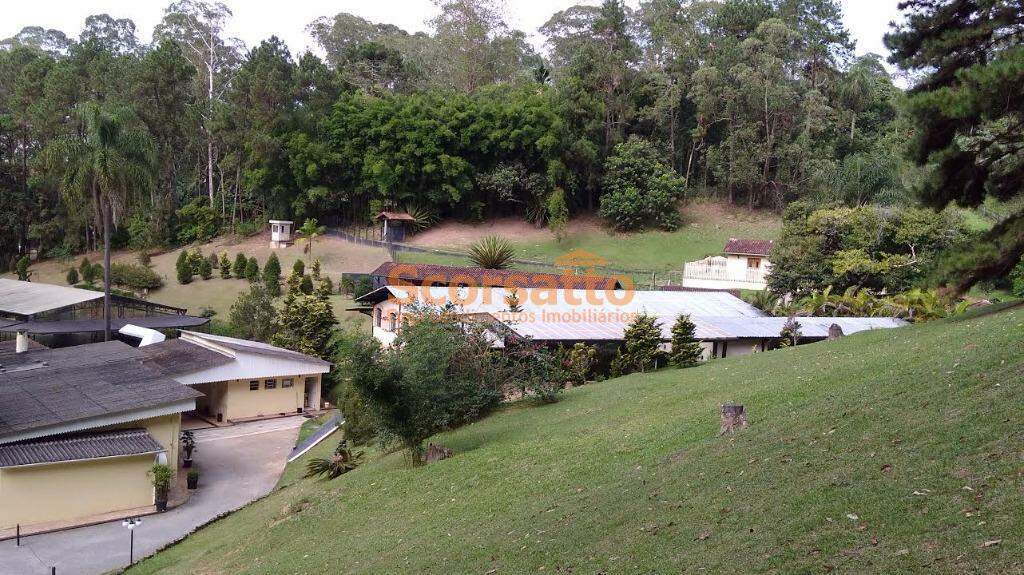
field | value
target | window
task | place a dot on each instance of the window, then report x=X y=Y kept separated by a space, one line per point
x=287 y=382
x=274 y=228
x=254 y=386
x=392 y=321
x=753 y=263
x=270 y=384
x=376 y=317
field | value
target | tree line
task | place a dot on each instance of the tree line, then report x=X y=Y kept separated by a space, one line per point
x=754 y=101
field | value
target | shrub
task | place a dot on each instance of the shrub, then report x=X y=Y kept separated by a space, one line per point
x=72 y=276
x=306 y=324
x=252 y=270
x=83 y=268
x=21 y=268
x=640 y=345
x=363 y=286
x=790 y=334
x=346 y=285
x=686 y=350
x=225 y=266
x=205 y=269
x=1017 y=279
x=558 y=213
x=162 y=476
x=299 y=267
x=639 y=189
x=145 y=259
x=492 y=252
x=306 y=285
x=340 y=462
x=253 y=316
x=239 y=266
x=197 y=222
x=576 y=363
x=183 y=268
x=272 y=275
x=195 y=260
x=134 y=276
x=430 y=380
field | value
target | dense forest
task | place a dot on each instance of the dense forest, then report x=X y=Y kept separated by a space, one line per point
x=760 y=103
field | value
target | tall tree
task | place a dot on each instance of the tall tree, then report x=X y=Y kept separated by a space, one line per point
x=969 y=117
x=109 y=166
x=199 y=26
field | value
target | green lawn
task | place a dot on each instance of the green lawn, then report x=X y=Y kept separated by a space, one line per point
x=884 y=452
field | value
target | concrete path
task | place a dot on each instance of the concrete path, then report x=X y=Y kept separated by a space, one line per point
x=237 y=464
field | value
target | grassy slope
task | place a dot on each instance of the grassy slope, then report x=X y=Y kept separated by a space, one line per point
x=705 y=229
x=628 y=475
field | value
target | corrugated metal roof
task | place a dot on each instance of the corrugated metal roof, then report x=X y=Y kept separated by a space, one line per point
x=419 y=274
x=27 y=298
x=177 y=356
x=256 y=347
x=554 y=304
x=116 y=443
x=706 y=328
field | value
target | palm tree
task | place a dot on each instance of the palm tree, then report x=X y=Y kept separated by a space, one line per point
x=311 y=230
x=108 y=162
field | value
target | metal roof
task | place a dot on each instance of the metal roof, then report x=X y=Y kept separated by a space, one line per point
x=177 y=356
x=706 y=328
x=255 y=347
x=560 y=305
x=40 y=327
x=47 y=388
x=27 y=298
x=422 y=274
x=116 y=443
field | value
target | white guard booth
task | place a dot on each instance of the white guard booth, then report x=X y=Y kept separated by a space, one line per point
x=281 y=233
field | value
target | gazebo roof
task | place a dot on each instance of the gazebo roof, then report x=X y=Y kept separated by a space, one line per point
x=396 y=216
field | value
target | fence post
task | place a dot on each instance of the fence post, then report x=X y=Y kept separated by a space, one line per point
x=17 y=535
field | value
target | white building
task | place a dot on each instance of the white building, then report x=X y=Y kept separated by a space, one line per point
x=281 y=233
x=726 y=325
x=743 y=265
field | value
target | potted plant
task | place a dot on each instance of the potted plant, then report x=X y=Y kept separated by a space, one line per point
x=188 y=445
x=162 y=475
x=193 y=478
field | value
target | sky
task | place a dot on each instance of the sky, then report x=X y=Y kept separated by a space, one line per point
x=255 y=20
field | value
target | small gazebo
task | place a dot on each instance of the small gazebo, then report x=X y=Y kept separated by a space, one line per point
x=281 y=233
x=393 y=225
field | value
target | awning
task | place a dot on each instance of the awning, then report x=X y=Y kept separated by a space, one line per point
x=118 y=443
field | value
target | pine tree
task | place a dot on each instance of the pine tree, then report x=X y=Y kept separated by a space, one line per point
x=183 y=266
x=252 y=270
x=299 y=267
x=272 y=275
x=315 y=270
x=205 y=269
x=241 y=262
x=294 y=281
x=686 y=350
x=640 y=344
x=306 y=286
x=225 y=266
x=305 y=325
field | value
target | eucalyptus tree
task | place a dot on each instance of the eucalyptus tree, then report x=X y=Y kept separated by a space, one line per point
x=198 y=25
x=108 y=166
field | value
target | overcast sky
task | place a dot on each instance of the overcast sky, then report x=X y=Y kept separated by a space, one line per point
x=255 y=20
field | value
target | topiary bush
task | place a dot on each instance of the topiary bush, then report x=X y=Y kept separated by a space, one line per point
x=252 y=270
x=225 y=266
x=72 y=276
x=183 y=268
x=239 y=266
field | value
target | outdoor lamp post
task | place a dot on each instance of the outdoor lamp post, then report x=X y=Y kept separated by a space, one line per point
x=130 y=523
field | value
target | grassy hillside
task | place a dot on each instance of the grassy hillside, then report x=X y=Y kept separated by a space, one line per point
x=706 y=227
x=889 y=451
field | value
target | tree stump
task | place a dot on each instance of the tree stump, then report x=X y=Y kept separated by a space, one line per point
x=733 y=416
x=437 y=453
x=835 y=332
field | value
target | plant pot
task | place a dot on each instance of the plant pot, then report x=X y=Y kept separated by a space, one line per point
x=161 y=504
x=186 y=463
x=193 y=482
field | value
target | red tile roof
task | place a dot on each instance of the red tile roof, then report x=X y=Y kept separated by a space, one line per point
x=748 y=247
x=415 y=274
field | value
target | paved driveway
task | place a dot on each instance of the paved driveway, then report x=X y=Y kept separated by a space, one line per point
x=238 y=464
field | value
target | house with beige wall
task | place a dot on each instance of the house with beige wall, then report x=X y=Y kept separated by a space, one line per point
x=80 y=428
x=241 y=379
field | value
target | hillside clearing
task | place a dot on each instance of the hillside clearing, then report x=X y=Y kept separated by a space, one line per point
x=706 y=227
x=887 y=451
x=336 y=256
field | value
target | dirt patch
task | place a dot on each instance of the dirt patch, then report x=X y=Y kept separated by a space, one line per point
x=462 y=234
